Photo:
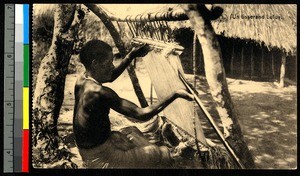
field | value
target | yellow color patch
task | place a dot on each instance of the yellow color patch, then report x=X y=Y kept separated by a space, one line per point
x=25 y=108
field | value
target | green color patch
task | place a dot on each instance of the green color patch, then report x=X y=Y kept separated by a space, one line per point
x=26 y=66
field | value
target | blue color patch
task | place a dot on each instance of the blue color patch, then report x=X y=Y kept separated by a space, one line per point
x=26 y=23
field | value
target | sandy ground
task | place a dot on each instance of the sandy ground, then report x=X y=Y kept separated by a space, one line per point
x=267 y=116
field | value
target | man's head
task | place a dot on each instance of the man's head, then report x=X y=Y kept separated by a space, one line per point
x=97 y=57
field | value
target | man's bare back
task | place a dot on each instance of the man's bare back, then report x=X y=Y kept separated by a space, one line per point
x=91 y=121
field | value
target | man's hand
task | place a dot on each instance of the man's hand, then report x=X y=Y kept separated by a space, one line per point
x=182 y=93
x=139 y=51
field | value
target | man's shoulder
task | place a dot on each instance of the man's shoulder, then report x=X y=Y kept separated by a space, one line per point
x=88 y=86
x=91 y=88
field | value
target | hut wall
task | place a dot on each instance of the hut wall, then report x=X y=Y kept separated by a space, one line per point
x=291 y=65
x=262 y=60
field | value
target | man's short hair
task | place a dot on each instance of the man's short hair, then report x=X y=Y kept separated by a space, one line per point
x=94 y=49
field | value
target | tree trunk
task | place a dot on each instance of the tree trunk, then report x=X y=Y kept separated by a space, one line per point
x=282 y=70
x=121 y=47
x=49 y=90
x=215 y=74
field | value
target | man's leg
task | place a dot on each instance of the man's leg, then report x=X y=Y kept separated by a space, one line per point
x=145 y=153
x=135 y=136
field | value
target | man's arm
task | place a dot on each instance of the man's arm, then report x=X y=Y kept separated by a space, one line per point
x=121 y=67
x=135 y=52
x=130 y=109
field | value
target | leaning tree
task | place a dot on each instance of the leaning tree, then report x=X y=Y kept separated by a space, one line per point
x=200 y=18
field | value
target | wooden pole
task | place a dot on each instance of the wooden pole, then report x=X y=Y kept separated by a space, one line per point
x=154 y=31
x=131 y=30
x=282 y=70
x=262 y=71
x=195 y=82
x=242 y=63
x=159 y=44
x=151 y=93
x=121 y=47
x=252 y=62
x=172 y=15
x=273 y=67
x=216 y=78
x=194 y=57
x=212 y=122
x=177 y=15
x=156 y=25
x=232 y=58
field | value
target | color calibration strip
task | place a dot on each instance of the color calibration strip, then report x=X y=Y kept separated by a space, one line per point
x=18 y=91
x=21 y=138
x=16 y=88
x=25 y=144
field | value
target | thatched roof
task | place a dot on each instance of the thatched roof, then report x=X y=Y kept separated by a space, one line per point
x=273 y=25
x=255 y=22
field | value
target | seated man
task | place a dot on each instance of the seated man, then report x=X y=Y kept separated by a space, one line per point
x=98 y=146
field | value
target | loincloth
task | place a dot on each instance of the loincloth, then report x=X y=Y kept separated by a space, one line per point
x=126 y=149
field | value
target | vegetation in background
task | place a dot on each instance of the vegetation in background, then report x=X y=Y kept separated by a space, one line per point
x=42 y=32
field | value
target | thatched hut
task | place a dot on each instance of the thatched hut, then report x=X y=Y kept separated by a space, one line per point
x=257 y=40
x=261 y=36
x=271 y=25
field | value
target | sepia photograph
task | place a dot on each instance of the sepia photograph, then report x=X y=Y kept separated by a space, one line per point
x=164 y=86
